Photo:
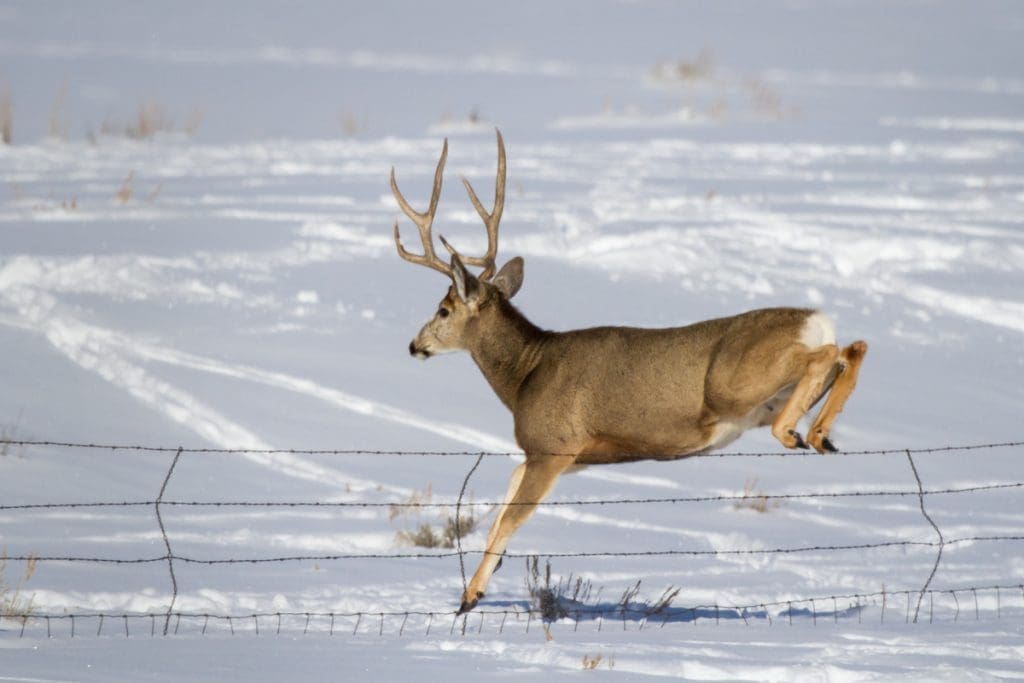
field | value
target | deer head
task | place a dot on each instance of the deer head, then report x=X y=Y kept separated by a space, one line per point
x=468 y=294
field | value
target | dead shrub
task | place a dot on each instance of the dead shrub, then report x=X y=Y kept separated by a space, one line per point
x=445 y=536
x=13 y=603
x=687 y=70
x=591 y=663
x=412 y=504
x=753 y=499
x=557 y=600
x=124 y=194
x=551 y=599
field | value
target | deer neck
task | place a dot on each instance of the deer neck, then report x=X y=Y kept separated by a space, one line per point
x=506 y=347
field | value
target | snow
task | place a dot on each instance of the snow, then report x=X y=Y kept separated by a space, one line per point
x=235 y=286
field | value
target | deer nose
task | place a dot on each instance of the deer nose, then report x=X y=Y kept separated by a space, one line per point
x=417 y=352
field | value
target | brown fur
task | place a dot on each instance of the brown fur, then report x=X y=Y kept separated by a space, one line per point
x=619 y=394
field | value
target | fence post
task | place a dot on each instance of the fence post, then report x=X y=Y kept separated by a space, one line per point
x=167 y=542
x=942 y=541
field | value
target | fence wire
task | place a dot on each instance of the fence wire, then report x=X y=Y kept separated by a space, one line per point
x=170 y=558
x=893 y=606
x=494 y=503
x=412 y=621
x=475 y=454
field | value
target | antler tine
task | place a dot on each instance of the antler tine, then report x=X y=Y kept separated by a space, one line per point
x=491 y=220
x=424 y=221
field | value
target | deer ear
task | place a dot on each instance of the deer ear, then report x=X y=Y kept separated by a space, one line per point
x=466 y=284
x=510 y=278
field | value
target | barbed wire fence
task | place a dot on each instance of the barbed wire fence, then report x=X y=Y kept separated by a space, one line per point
x=908 y=603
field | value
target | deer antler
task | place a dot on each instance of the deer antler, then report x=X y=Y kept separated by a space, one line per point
x=424 y=221
x=491 y=220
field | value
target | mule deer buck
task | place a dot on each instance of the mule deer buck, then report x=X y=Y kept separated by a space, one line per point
x=620 y=394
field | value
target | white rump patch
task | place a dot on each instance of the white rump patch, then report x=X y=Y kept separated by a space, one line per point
x=818 y=330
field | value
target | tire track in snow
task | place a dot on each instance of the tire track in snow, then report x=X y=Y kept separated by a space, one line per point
x=333 y=397
x=96 y=349
x=104 y=352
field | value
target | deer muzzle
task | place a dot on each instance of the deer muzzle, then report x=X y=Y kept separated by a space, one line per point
x=417 y=352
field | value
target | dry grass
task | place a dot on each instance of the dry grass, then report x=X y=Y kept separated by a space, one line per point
x=150 y=120
x=13 y=603
x=444 y=536
x=412 y=504
x=351 y=124
x=627 y=601
x=426 y=535
x=154 y=193
x=687 y=70
x=6 y=117
x=128 y=191
x=193 y=121
x=753 y=499
x=471 y=120
x=591 y=663
x=423 y=537
x=7 y=434
x=752 y=94
x=124 y=194
x=767 y=102
x=59 y=123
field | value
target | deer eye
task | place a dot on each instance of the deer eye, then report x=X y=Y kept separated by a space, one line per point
x=442 y=312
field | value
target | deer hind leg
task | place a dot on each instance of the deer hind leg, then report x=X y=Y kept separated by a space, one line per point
x=808 y=390
x=846 y=380
x=536 y=479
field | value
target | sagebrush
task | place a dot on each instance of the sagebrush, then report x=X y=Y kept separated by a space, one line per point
x=570 y=596
x=551 y=600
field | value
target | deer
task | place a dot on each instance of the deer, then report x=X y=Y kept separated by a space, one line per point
x=616 y=394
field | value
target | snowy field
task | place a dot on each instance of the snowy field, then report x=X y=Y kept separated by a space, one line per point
x=196 y=251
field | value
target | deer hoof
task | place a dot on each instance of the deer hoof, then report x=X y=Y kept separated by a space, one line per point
x=827 y=445
x=800 y=443
x=468 y=605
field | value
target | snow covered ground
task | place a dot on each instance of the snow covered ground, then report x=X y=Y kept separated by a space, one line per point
x=231 y=283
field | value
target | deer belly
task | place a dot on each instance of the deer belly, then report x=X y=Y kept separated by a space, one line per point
x=725 y=432
x=728 y=429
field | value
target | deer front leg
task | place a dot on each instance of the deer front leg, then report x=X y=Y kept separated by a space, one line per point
x=536 y=479
x=513 y=486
